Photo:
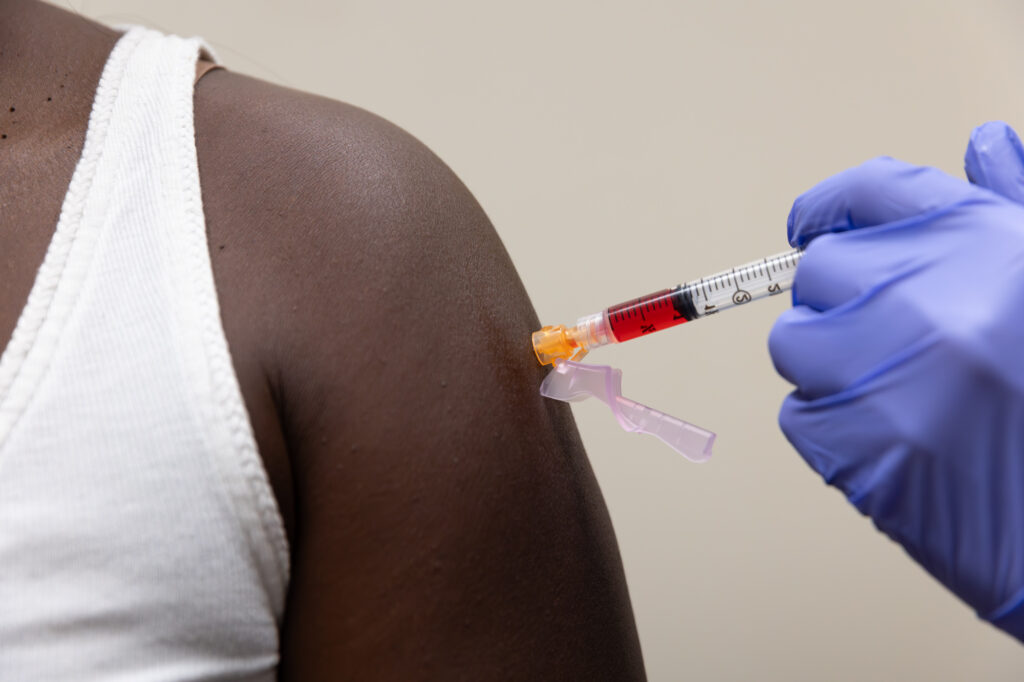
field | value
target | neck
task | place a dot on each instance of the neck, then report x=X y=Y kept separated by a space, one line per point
x=50 y=61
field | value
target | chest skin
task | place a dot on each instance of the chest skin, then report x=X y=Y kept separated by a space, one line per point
x=43 y=124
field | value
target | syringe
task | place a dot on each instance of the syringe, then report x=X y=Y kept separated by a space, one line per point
x=668 y=308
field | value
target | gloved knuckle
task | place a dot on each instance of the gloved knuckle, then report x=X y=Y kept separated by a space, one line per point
x=788 y=421
x=861 y=189
x=778 y=339
x=968 y=347
x=817 y=265
x=867 y=179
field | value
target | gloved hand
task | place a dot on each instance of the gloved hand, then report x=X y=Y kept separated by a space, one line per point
x=906 y=347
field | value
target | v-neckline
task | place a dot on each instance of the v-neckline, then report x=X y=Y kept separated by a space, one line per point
x=26 y=356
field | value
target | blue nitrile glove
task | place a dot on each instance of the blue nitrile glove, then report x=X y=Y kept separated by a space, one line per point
x=906 y=346
x=995 y=160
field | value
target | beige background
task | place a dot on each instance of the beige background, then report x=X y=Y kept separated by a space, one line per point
x=620 y=148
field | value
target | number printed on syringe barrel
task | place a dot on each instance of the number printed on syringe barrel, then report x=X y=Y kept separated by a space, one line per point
x=706 y=296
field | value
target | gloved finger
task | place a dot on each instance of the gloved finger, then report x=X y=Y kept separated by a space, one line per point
x=901 y=448
x=823 y=354
x=895 y=468
x=876 y=192
x=814 y=427
x=859 y=440
x=838 y=268
x=995 y=160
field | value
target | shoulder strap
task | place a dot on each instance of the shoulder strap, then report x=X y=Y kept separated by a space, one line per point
x=203 y=67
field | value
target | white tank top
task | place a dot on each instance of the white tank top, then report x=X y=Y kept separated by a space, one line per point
x=139 y=536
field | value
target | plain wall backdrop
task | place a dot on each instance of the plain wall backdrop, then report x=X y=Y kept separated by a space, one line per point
x=623 y=147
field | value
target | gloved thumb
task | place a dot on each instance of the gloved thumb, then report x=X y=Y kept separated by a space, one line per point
x=995 y=160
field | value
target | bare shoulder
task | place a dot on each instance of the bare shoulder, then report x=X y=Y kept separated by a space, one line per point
x=448 y=525
x=333 y=204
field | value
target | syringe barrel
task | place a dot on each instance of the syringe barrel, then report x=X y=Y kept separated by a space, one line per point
x=758 y=279
x=669 y=307
x=706 y=296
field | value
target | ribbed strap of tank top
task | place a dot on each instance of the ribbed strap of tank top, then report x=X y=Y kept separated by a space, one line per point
x=139 y=535
x=166 y=72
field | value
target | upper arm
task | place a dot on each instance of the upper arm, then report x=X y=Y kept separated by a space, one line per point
x=448 y=525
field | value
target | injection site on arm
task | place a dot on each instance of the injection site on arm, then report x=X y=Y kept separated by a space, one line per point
x=564 y=347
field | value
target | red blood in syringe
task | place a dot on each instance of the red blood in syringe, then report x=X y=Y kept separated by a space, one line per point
x=650 y=313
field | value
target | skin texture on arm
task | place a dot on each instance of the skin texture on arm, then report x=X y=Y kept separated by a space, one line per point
x=444 y=520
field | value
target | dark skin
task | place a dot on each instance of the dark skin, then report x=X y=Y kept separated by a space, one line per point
x=443 y=519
